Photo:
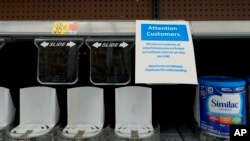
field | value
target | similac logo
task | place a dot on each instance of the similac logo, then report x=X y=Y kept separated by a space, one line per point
x=228 y=104
x=225 y=104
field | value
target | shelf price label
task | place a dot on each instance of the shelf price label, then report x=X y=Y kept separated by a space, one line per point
x=65 y=28
x=164 y=53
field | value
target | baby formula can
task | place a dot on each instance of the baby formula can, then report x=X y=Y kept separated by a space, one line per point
x=248 y=99
x=222 y=103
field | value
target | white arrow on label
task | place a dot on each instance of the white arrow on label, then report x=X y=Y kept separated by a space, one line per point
x=96 y=44
x=44 y=44
x=123 y=44
x=71 y=44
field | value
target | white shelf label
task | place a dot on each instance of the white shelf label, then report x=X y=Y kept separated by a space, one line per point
x=164 y=53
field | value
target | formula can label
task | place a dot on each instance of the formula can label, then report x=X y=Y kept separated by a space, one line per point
x=220 y=107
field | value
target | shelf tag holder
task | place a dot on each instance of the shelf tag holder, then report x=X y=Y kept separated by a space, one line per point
x=58 y=60
x=110 y=60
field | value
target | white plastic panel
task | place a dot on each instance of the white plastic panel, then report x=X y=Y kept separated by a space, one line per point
x=39 y=105
x=3 y=99
x=39 y=112
x=133 y=112
x=133 y=105
x=7 y=109
x=86 y=105
x=85 y=112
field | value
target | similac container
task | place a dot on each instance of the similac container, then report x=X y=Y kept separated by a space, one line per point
x=222 y=103
x=248 y=99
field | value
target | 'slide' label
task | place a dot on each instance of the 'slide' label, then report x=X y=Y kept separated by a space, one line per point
x=220 y=108
x=164 y=53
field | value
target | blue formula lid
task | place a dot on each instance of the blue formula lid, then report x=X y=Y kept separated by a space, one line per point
x=222 y=81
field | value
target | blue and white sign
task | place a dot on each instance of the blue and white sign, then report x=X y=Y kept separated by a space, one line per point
x=163 y=32
x=164 y=53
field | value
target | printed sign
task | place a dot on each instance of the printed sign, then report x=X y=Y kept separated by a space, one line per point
x=164 y=53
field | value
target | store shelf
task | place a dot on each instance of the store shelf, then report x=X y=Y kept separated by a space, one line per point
x=212 y=23
x=85 y=28
x=199 y=29
x=235 y=29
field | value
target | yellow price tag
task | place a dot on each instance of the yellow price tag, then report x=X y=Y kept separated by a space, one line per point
x=65 y=28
